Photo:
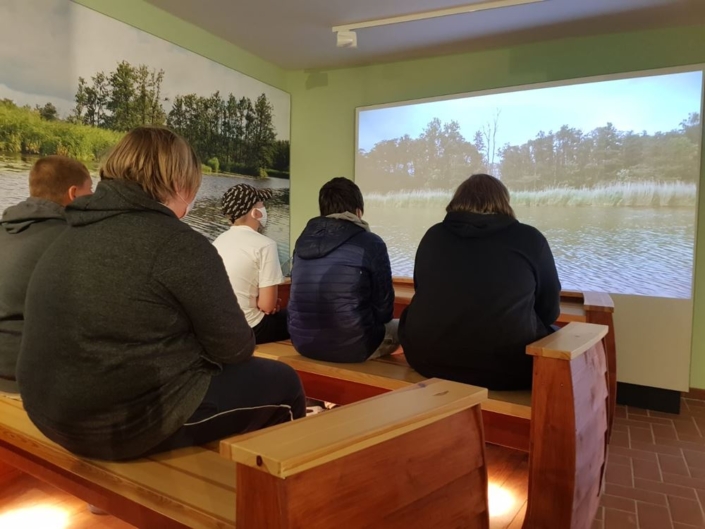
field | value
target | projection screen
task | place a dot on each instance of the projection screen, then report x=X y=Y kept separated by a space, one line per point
x=607 y=168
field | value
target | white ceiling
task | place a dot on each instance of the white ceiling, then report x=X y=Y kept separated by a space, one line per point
x=296 y=34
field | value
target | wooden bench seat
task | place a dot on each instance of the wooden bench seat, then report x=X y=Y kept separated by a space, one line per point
x=289 y=475
x=506 y=414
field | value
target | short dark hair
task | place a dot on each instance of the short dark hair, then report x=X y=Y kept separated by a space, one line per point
x=481 y=193
x=340 y=195
x=51 y=177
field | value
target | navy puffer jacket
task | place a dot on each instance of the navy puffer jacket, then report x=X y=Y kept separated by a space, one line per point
x=341 y=291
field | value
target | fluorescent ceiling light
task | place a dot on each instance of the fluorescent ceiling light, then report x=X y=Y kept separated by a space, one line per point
x=470 y=8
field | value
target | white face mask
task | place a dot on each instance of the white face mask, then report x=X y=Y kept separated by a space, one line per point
x=263 y=219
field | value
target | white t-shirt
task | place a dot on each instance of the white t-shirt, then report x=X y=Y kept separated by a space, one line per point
x=252 y=262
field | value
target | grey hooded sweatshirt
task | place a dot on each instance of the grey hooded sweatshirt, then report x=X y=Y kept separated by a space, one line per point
x=27 y=230
x=128 y=317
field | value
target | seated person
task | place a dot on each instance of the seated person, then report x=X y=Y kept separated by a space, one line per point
x=486 y=287
x=252 y=262
x=134 y=342
x=342 y=298
x=28 y=229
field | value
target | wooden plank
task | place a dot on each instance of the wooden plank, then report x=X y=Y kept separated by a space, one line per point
x=506 y=430
x=377 y=374
x=168 y=491
x=569 y=342
x=426 y=474
x=331 y=389
x=289 y=449
x=206 y=466
x=90 y=492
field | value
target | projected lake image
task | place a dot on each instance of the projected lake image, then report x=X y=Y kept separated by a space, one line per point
x=607 y=170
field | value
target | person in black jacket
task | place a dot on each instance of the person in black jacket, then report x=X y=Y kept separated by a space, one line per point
x=134 y=341
x=486 y=287
x=27 y=230
x=342 y=298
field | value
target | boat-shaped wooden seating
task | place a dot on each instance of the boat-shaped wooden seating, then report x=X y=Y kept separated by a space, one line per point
x=412 y=456
x=565 y=417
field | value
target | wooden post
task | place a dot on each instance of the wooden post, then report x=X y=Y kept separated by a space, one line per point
x=568 y=428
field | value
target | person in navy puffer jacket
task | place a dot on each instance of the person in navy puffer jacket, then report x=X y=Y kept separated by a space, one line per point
x=342 y=298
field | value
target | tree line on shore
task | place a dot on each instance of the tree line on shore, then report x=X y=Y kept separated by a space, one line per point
x=440 y=157
x=229 y=134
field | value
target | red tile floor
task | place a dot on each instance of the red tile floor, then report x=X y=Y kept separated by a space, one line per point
x=655 y=477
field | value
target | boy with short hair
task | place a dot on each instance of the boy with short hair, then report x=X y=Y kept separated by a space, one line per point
x=27 y=230
x=342 y=296
x=252 y=262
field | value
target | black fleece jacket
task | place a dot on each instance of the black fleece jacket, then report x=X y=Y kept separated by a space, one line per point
x=486 y=286
x=128 y=316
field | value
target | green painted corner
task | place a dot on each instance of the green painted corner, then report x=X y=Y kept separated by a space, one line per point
x=159 y=23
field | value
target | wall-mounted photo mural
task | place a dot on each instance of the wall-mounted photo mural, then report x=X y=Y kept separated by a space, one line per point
x=73 y=81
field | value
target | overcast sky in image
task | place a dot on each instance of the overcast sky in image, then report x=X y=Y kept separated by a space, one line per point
x=652 y=104
x=45 y=45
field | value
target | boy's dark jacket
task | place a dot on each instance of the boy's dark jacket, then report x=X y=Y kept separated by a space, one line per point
x=27 y=230
x=341 y=291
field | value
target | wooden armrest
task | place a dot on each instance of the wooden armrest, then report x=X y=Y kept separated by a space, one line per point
x=569 y=342
x=291 y=448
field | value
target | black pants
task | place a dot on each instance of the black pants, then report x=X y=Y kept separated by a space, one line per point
x=272 y=328
x=244 y=397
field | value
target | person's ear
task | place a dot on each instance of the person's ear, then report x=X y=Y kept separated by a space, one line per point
x=256 y=214
x=73 y=190
x=358 y=212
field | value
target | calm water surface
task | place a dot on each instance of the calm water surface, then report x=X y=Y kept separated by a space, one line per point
x=643 y=251
x=205 y=216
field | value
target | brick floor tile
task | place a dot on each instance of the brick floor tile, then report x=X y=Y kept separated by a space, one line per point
x=662 y=431
x=663 y=415
x=619 y=475
x=646 y=470
x=651 y=420
x=616 y=459
x=620 y=412
x=694 y=459
x=687 y=428
x=635 y=424
x=634 y=454
x=692 y=439
x=698 y=473
x=619 y=428
x=677 y=525
x=673 y=465
x=684 y=481
x=660 y=448
x=639 y=435
x=615 y=502
x=622 y=438
x=665 y=488
x=685 y=511
x=615 y=519
x=635 y=494
x=653 y=516
x=631 y=410
x=598 y=524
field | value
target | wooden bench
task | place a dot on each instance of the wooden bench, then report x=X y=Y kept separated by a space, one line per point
x=425 y=440
x=506 y=414
x=566 y=417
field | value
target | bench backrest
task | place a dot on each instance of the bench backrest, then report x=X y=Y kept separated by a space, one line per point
x=410 y=458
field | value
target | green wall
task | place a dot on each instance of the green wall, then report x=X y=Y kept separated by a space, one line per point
x=324 y=102
x=151 y=19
